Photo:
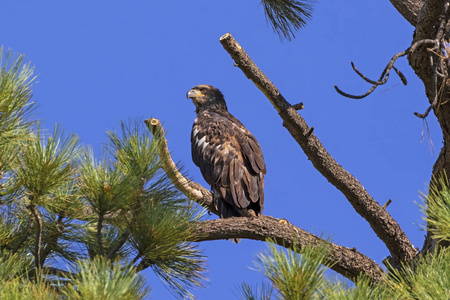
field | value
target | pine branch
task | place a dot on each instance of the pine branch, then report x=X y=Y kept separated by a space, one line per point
x=122 y=240
x=58 y=231
x=24 y=238
x=386 y=228
x=192 y=190
x=99 y=234
x=347 y=262
x=287 y=16
x=409 y=9
x=38 y=238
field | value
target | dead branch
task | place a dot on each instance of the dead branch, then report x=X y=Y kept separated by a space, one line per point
x=192 y=190
x=385 y=74
x=345 y=261
x=409 y=9
x=386 y=228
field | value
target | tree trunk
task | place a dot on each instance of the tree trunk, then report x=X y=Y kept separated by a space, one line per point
x=430 y=19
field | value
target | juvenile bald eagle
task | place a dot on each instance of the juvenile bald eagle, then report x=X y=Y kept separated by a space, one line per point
x=228 y=155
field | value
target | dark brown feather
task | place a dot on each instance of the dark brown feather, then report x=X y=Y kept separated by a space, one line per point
x=230 y=160
x=229 y=157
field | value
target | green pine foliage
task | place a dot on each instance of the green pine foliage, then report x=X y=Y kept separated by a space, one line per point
x=102 y=279
x=294 y=276
x=263 y=291
x=299 y=273
x=437 y=209
x=76 y=227
x=287 y=16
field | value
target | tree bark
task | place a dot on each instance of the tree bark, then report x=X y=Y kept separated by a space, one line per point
x=409 y=9
x=432 y=22
x=386 y=228
x=348 y=262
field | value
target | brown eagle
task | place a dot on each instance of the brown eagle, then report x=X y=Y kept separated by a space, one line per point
x=228 y=155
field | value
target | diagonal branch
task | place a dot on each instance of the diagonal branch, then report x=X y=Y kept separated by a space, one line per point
x=409 y=9
x=386 y=228
x=347 y=262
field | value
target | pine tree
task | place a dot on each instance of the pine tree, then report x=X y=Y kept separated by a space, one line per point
x=77 y=227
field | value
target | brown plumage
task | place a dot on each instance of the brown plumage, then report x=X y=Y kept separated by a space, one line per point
x=228 y=155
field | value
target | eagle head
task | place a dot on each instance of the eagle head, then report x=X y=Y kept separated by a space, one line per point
x=206 y=97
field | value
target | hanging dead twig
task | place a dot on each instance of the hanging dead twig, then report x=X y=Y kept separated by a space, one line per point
x=386 y=72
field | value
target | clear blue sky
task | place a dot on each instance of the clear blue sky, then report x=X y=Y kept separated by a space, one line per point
x=102 y=61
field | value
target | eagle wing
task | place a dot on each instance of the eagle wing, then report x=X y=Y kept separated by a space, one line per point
x=230 y=159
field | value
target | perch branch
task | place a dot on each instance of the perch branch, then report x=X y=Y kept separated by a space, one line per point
x=386 y=228
x=345 y=261
x=192 y=190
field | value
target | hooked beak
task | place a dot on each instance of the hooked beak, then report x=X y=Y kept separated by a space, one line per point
x=194 y=93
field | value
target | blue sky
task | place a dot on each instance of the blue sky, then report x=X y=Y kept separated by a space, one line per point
x=99 y=62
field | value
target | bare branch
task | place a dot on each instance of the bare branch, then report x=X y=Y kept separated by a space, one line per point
x=387 y=204
x=386 y=72
x=386 y=228
x=192 y=190
x=409 y=9
x=345 y=261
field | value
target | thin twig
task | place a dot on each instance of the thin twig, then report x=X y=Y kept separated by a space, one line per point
x=53 y=241
x=298 y=106
x=387 y=204
x=38 y=238
x=385 y=74
x=99 y=234
x=122 y=240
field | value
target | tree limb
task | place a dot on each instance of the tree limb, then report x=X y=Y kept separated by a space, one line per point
x=192 y=190
x=38 y=238
x=409 y=9
x=347 y=262
x=386 y=228
x=99 y=234
x=385 y=74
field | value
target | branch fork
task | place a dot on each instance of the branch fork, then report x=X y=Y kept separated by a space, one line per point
x=348 y=262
